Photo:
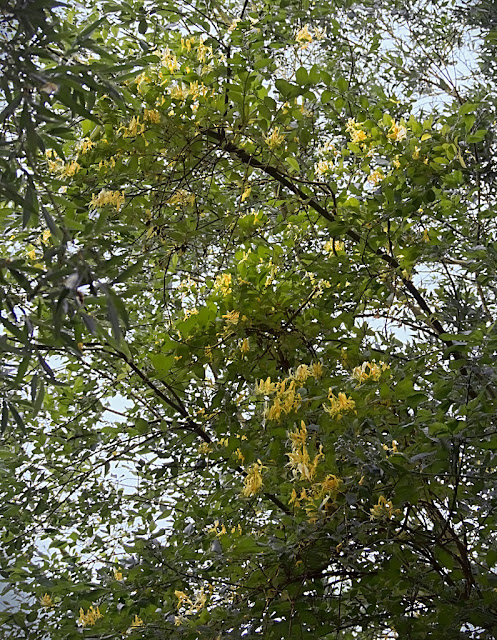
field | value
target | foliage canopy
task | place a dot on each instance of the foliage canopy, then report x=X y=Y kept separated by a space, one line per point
x=248 y=298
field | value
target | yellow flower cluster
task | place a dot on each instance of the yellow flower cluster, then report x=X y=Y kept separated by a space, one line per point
x=323 y=166
x=187 y=43
x=244 y=347
x=219 y=533
x=264 y=387
x=223 y=284
x=105 y=197
x=383 y=510
x=183 y=599
x=323 y=492
x=303 y=372
x=136 y=622
x=332 y=246
x=300 y=461
x=203 y=52
x=375 y=177
x=253 y=479
x=104 y=164
x=189 y=312
x=169 y=60
x=369 y=371
x=57 y=165
x=85 y=145
x=182 y=197
x=303 y=37
x=355 y=131
x=286 y=401
x=134 y=128
x=151 y=115
x=89 y=618
x=338 y=405
x=69 y=169
x=46 y=601
x=300 y=375
x=394 y=448
x=232 y=317
x=233 y=25
x=180 y=92
x=397 y=132
x=275 y=139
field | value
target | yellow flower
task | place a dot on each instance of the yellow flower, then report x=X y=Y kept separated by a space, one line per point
x=69 y=169
x=397 y=132
x=31 y=254
x=134 y=128
x=233 y=25
x=355 y=132
x=303 y=37
x=137 y=622
x=105 y=197
x=396 y=162
x=169 y=60
x=264 y=387
x=316 y=370
x=118 y=574
x=177 y=92
x=182 y=197
x=300 y=461
x=204 y=447
x=286 y=401
x=383 y=510
x=223 y=283
x=151 y=115
x=232 y=317
x=332 y=246
x=297 y=499
x=203 y=51
x=89 y=618
x=301 y=373
x=330 y=485
x=319 y=34
x=187 y=43
x=375 y=177
x=245 y=347
x=338 y=405
x=182 y=599
x=369 y=371
x=253 y=479
x=246 y=193
x=415 y=153
x=322 y=167
x=275 y=139
x=189 y=312
x=46 y=601
x=85 y=145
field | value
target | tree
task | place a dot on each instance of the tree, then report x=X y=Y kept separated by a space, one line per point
x=250 y=388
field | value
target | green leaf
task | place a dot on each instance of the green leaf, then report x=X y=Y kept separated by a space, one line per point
x=292 y=163
x=302 y=76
